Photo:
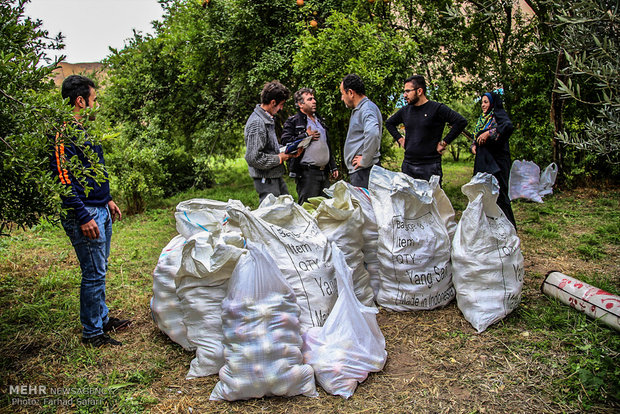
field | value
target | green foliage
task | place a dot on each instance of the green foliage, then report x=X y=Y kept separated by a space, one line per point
x=528 y=107
x=31 y=113
x=344 y=45
x=588 y=37
x=488 y=40
x=191 y=86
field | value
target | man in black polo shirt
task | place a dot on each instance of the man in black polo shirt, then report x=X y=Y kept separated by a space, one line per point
x=424 y=122
x=312 y=169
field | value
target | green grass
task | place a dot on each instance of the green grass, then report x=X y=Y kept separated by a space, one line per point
x=575 y=357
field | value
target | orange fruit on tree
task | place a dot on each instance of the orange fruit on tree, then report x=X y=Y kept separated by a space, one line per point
x=313 y=23
x=300 y=3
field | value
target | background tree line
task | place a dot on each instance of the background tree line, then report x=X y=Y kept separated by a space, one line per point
x=176 y=101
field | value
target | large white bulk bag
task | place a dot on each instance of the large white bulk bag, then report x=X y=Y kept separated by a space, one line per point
x=166 y=307
x=486 y=257
x=200 y=214
x=524 y=181
x=340 y=219
x=547 y=179
x=300 y=249
x=209 y=258
x=350 y=345
x=444 y=206
x=261 y=334
x=414 y=245
x=370 y=233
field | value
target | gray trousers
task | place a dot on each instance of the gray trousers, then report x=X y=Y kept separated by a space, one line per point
x=275 y=186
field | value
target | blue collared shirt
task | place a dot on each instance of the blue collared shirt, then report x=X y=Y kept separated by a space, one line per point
x=364 y=135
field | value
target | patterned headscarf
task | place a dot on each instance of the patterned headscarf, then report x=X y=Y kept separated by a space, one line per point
x=487 y=120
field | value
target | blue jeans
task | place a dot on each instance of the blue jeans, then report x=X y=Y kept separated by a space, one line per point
x=93 y=257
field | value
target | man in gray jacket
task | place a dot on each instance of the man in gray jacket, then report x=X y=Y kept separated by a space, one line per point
x=265 y=161
x=361 y=148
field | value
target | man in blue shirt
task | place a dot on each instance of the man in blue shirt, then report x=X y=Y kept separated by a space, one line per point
x=424 y=122
x=361 y=148
x=88 y=221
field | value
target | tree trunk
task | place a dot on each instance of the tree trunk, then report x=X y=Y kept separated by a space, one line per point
x=556 y=113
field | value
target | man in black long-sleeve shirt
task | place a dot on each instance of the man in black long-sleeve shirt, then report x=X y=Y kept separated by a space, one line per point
x=424 y=122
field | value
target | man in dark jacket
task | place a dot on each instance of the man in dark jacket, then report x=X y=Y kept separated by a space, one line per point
x=90 y=214
x=312 y=169
x=424 y=122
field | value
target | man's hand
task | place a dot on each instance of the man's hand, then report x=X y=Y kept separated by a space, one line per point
x=90 y=229
x=357 y=162
x=115 y=212
x=401 y=142
x=335 y=174
x=441 y=146
x=313 y=133
x=283 y=157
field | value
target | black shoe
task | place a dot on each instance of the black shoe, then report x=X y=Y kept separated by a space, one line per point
x=115 y=324
x=99 y=340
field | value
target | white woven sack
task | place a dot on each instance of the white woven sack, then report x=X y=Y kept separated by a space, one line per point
x=299 y=248
x=547 y=179
x=370 y=233
x=486 y=255
x=414 y=245
x=444 y=206
x=340 y=219
x=209 y=259
x=200 y=214
x=350 y=345
x=261 y=334
x=524 y=181
x=166 y=307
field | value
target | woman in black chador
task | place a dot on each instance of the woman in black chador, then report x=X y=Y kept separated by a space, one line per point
x=492 y=148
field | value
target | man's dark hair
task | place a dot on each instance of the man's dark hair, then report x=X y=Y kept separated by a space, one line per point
x=418 y=82
x=76 y=85
x=354 y=83
x=299 y=95
x=274 y=90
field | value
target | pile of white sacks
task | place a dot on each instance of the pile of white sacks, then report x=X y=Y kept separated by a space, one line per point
x=276 y=298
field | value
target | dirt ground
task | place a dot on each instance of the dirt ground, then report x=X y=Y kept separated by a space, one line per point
x=437 y=363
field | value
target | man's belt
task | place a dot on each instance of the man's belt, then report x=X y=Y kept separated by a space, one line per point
x=312 y=167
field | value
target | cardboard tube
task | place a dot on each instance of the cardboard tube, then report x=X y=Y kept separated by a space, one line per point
x=586 y=298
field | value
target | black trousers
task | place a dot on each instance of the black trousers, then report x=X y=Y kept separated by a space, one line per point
x=311 y=184
x=422 y=171
x=503 y=201
x=360 y=177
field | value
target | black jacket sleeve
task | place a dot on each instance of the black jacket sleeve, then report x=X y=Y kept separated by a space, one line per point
x=293 y=129
x=504 y=125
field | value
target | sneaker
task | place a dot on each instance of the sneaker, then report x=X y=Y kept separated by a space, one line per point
x=99 y=340
x=115 y=324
